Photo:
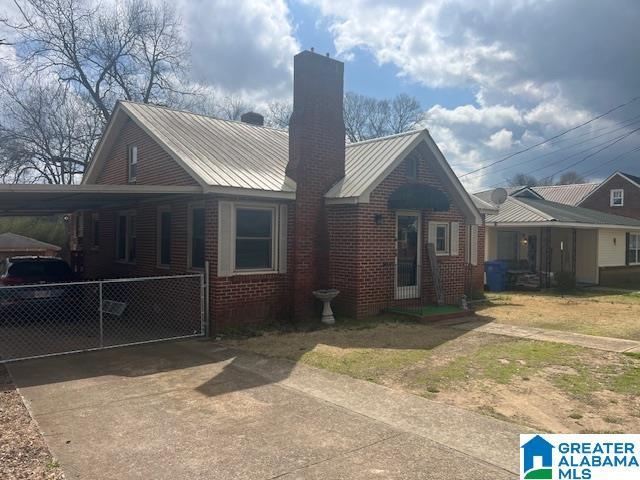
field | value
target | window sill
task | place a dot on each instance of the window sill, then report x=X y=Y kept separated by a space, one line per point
x=443 y=254
x=123 y=262
x=163 y=267
x=242 y=273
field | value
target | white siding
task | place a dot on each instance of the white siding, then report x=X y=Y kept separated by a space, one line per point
x=611 y=248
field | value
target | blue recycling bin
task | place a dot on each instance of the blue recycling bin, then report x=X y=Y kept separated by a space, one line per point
x=496 y=271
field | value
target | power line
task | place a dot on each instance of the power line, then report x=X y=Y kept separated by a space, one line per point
x=607 y=143
x=539 y=157
x=592 y=154
x=511 y=155
x=589 y=172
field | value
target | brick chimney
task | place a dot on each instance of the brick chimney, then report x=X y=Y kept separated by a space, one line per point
x=316 y=163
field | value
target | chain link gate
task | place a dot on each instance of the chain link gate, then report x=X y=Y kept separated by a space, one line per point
x=50 y=319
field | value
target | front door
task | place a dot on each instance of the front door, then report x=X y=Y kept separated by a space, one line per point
x=408 y=241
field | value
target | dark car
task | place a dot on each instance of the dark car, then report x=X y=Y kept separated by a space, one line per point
x=33 y=280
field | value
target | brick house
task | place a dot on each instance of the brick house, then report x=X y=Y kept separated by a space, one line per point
x=277 y=215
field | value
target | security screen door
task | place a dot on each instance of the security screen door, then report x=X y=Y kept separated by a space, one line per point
x=408 y=243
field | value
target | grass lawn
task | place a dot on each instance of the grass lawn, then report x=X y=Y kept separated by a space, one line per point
x=544 y=385
x=609 y=314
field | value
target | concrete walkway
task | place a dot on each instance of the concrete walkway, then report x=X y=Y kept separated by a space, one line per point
x=194 y=409
x=608 y=344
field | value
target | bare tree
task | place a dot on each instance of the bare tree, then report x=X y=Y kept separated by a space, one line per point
x=132 y=50
x=527 y=180
x=367 y=117
x=46 y=132
x=279 y=115
x=571 y=177
x=231 y=107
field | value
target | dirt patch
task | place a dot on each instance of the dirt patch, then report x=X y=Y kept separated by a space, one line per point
x=596 y=313
x=23 y=452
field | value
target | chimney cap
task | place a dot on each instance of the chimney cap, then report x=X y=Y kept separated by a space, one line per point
x=252 y=118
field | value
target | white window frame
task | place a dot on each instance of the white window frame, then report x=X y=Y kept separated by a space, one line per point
x=612 y=197
x=275 y=222
x=161 y=210
x=637 y=249
x=447 y=239
x=130 y=234
x=190 y=208
x=132 y=160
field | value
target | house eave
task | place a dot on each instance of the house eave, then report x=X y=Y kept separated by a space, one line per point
x=555 y=224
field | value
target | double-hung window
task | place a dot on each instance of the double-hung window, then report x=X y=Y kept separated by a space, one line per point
x=164 y=237
x=196 y=235
x=442 y=238
x=634 y=248
x=132 y=163
x=126 y=237
x=617 y=197
x=254 y=242
x=95 y=231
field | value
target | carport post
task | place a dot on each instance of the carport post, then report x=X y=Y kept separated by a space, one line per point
x=101 y=314
x=205 y=301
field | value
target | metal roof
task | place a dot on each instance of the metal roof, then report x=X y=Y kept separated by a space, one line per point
x=12 y=242
x=36 y=199
x=565 y=194
x=366 y=161
x=219 y=152
x=483 y=206
x=530 y=210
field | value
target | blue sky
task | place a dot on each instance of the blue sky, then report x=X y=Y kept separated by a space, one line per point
x=493 y=76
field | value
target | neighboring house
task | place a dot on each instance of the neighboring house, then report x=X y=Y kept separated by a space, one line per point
x=619 y=195
x=540 y=236
x=278 y=215
x=14 y=245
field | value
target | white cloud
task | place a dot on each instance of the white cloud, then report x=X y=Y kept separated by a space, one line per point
x=501 y=140
x=536 y=68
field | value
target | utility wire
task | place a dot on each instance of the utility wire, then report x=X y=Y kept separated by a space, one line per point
x=511 y=155
x=589 y=172
x=592 y=154
x=566 y=147
x=607 y=143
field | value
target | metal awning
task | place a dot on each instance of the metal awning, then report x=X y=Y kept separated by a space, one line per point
x=23 y=200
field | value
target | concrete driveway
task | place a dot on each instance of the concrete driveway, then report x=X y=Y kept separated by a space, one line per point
x=195 y=410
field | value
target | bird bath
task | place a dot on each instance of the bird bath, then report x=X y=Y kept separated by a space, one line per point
x=326 y=296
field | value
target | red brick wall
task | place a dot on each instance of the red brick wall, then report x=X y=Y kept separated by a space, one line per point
x=236 y=300
x=155 y=166
x=363 y=252
x=600 y=199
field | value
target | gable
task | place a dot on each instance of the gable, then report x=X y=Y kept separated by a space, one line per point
x=155 y=165
x=599 y=199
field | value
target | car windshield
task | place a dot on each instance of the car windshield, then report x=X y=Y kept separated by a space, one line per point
x=40 y=269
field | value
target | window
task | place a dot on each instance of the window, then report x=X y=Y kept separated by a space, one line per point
x=412 y=168
x=164 y=237
x=133 y=163
x=126 y=237
x=196 y=236
x=617 y=197
x=254 y=238
x=95 y=230
x=442 y=238
x=634 y=248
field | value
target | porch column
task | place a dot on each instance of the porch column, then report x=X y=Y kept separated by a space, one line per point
x=573 y=250
x=547 y=257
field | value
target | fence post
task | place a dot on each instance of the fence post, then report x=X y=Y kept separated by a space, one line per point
x=205 y=301
x=101 y=315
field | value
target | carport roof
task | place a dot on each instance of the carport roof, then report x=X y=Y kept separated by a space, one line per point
x=19 y=200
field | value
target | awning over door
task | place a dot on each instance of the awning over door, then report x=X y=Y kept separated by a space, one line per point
x=23 y=200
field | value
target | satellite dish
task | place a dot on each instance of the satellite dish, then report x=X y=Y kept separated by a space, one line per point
x=499 y=196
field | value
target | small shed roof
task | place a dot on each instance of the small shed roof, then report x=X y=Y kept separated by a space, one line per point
x=12 y=242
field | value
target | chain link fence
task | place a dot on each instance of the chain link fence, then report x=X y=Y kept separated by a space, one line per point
x=49 y=319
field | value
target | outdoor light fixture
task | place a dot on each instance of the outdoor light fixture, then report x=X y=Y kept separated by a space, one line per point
x=378 y=218
x=525 y=240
